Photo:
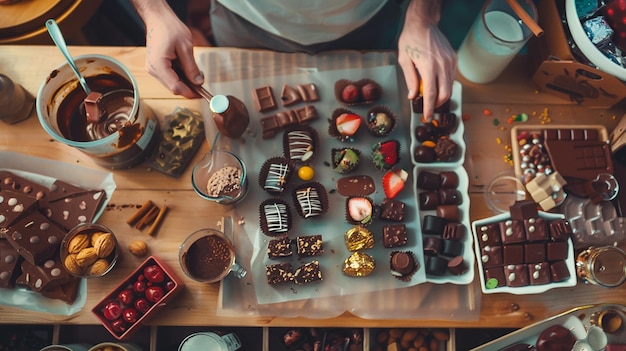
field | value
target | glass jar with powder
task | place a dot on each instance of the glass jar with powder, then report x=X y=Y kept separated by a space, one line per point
x=220 y=176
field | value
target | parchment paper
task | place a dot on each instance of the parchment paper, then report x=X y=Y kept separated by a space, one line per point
x=45 y=172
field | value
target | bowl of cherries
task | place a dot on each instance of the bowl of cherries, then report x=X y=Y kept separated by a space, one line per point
x=144 y=292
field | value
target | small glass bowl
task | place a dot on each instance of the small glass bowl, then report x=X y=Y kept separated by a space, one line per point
x=503 y=191
x=212 y=163
x=86 y=268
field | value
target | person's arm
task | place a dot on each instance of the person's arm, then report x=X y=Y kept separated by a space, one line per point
x=168 y=40
x=425 y=53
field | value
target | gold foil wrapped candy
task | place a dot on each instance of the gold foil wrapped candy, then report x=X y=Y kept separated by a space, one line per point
x=358 y=264
x=359 y=238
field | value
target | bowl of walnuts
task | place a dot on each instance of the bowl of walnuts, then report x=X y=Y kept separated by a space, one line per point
x=89 y=250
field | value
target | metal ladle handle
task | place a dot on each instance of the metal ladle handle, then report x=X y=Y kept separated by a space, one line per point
x=59 y=41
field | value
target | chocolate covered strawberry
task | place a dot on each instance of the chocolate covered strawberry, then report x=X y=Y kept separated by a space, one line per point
x=386 y=154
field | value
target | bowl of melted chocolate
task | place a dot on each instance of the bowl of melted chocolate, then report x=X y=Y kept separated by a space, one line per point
x=120 y=132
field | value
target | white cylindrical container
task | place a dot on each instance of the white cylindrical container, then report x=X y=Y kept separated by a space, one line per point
x=494 y=39
x=210 y=341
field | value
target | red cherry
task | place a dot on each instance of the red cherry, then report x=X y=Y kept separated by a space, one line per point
x=112 y=310
x=130 y=315
x=154 y=293
x=119 y=325
x=142 y=305
x=154 y=273
x=126 y=296
x=169 y=285
x=139 y=286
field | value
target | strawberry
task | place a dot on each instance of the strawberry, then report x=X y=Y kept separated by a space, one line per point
x=348 y=123
x=393 y=182
x=360 y=209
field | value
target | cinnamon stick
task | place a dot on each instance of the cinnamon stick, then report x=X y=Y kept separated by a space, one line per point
x=140 y=213
x=158 y=220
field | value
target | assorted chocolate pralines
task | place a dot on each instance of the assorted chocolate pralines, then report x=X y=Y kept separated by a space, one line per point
x=308 y=199
x=331 y=339
x=523 y=250
x=443 y=233
x=33 y=221
x=435 y=142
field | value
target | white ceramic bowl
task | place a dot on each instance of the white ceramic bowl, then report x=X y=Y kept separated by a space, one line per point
x=588 y=49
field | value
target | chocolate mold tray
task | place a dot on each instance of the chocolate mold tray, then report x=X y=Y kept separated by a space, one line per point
x=457 y=135
x=529 y=289
x=578 y=320
x=45 y=172
x=517 y=131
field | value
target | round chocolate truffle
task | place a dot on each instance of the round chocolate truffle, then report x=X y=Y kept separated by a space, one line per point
x=370 y=92
x=403 y=264
x=350 y=93
x=425 y=154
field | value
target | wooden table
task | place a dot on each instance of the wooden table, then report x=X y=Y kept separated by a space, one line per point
x=511 y=94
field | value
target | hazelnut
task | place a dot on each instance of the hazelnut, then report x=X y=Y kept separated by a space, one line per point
x=72 y=266
x=99 y=267
x=95 y=237
x=138 y=247
x=77 y=243
x=104 y=245
x=86 y=257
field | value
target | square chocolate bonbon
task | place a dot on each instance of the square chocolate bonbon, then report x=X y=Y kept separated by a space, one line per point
x=534 y=252
x=278 y=248
x=395 y=235
x=279 y=273
x=524 y=209
x=308 y=273
x=489 y=235
x=491 y=256
x=494 y=277
x=392 y=210
x=513 y=254
x=512 y=231
x=310 y=245
x=559 y=271
x=516 y=275
x=536 y=229
x=557 y=250
x=539 y=273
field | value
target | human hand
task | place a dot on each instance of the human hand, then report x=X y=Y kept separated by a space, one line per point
x=166 y=44
x=425 y=54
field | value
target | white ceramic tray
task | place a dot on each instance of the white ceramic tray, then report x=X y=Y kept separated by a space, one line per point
x=45 y=172
x=577 y=320
x=530 y=289
x=456 y=166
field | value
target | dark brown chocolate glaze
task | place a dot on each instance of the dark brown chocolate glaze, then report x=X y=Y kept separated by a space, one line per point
x=578 y=153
